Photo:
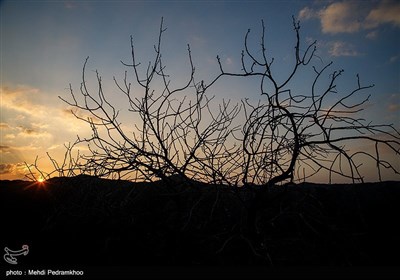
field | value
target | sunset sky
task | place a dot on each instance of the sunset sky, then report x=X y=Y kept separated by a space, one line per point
x=44 y=45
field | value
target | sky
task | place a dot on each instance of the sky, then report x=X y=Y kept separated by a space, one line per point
x=45 y=43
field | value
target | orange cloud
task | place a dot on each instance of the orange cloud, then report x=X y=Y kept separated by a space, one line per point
x=4 y=126
x=386 y=12
x=30 y=132
x=21 y=99
x=6 y=168
x=353 y=16
x=4 y=149
x=339 y=17
x=12 y=170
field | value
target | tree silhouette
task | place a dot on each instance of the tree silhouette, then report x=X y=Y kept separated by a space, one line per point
x=176 y=133
x=181 y=136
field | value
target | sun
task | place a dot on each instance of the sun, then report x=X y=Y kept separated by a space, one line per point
x=41 y=180
x=39 y=183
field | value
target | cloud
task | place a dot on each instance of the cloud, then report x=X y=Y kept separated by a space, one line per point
x=32 y=132
x=55 y=146
x=27 y=130
x=18 y=169
x=339 y=17
x=34 y=119
x=337 y=48
x=306 y=13
x=31 y=128
x=394 y=58
x=20 y=148
x=372 y=35
x=353 y=16
x=340 y=48
x=386 y=12
x=4 y=149
x=6 y=168
x=4 y=126
x=21 y=99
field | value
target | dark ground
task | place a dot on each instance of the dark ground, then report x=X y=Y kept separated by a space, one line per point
x=121 y=227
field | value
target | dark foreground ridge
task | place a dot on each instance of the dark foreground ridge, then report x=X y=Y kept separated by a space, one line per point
x=87 y=221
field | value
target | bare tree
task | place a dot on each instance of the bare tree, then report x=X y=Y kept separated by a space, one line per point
x=176 y=133
x=180 y=130
x=170 y=135
x=288 y=131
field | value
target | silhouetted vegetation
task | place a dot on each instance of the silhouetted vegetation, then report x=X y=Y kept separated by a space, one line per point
x=87 y=221
x=206 y=189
